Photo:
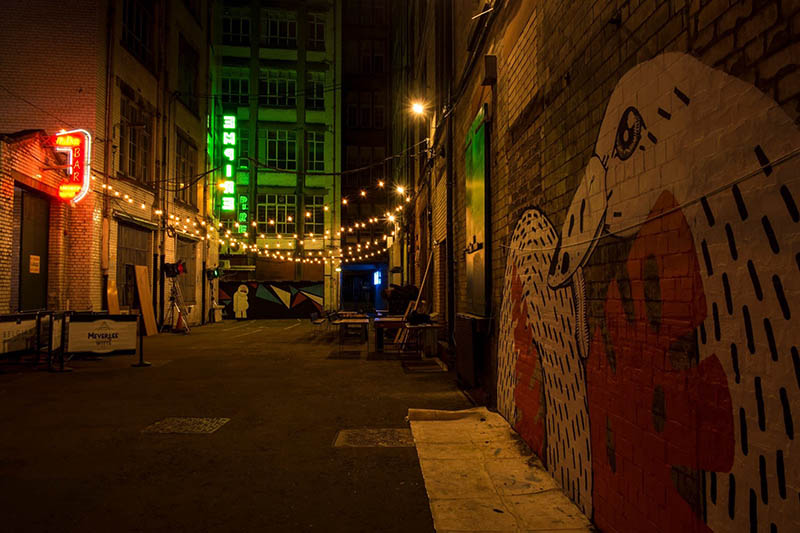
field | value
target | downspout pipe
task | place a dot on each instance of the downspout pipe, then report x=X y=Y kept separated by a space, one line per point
x=108 y=163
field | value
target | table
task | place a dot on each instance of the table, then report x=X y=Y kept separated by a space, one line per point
x=382 y=323
x=343 y=323
x=418 y=329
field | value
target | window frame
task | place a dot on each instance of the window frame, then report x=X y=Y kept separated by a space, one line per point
x=273 y=138
x=278 y=29
x=315 y=144
x=277 y=207
x=316 y=32
x=135 y=137
x=185 y=169
x=138 y=30
x=277 y=88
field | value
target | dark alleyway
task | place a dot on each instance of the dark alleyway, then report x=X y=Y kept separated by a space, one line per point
x=73 y=456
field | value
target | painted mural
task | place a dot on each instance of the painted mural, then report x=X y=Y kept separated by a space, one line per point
x=688 y=366
x=267 y=299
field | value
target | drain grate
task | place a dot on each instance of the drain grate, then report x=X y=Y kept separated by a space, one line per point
x=374 y=438
x=186 y=425
x=345 y=354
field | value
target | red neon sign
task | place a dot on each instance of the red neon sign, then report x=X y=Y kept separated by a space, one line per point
x=77 y=144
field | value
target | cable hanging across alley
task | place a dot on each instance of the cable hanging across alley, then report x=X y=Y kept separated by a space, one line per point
x=687 y=203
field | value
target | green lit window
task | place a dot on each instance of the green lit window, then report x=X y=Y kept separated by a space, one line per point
x=278 y=29
x=235 y=30
x=315 y=215
x=276 y=214
x=316 y=32
x=315 y=148
x=281 y=149
x=315 y=91
x=235 y=91
x=244 y=145
x=278 y=88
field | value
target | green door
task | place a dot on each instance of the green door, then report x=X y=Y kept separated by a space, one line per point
x=34 y=234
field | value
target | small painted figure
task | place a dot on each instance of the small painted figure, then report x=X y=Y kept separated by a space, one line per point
x=240 y=304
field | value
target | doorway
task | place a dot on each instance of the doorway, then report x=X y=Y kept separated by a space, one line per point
x=32 y=218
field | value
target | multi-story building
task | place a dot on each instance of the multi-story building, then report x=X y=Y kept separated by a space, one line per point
x=134 y=75
x=366 y=185
x=278 y=79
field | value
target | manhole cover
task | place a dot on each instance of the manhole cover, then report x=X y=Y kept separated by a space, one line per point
x=374 y=438
x=345 y=354
x=186 y=425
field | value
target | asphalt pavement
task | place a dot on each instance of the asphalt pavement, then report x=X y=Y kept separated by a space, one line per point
x=78 y=451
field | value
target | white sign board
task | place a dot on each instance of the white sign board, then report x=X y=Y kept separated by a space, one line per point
x=102 y=336
x=17 y=336
x=34 y=267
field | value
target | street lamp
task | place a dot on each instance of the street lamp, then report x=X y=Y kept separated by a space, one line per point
x=418 y=108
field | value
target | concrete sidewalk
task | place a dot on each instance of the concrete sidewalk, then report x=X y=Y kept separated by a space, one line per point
x=481 y=476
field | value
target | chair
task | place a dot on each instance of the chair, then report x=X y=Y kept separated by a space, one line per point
x=317 y=320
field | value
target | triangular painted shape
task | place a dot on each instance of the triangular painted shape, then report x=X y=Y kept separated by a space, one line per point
x=285 y=297
x=263 y=293
x=316 y=290
x=224 y=295
x=300 y=298
x=316 y=299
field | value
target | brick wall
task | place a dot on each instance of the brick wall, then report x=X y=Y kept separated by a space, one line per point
x=644 y=185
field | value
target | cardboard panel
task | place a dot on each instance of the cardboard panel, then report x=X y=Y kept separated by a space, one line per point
x=145 y=302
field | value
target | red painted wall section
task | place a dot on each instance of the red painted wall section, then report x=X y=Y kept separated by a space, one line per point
x=528 y=392
x=659 y=418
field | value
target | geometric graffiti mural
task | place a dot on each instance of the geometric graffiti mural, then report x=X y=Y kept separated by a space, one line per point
x=686 y=229
x=275 y=299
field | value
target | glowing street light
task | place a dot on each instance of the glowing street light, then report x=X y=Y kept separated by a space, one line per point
x=418 y=108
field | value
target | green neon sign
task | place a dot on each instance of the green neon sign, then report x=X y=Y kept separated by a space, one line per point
x=228 y=161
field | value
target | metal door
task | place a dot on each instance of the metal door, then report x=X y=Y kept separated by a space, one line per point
x=34 y=235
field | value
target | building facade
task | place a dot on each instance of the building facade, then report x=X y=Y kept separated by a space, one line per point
x=279 y=78
x=616 y=186
x=367 y=99
x=134 y=75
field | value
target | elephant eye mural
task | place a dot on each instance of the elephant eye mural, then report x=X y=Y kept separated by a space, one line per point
x=688 y=370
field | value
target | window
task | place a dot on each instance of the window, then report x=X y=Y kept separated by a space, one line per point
x=351 y=159
x=135 y=141
x=377 y=57
x=277 y=88
x=315 y=91
x=281 y=149
x=137 y=30
x=366 y=12
x=236 y=30
x=378 y=117
x=276 y=213
x=244 y=144
x=278 y=29
x=235 y=91
x=366 y=155
x=316 y=32
x=352 y=115
x=185 y=251
x=188 y=61
x=365 y=119
x=185 y=169
x=380 y=11
x=315 y=215
x=366 y=56
x=315 y=148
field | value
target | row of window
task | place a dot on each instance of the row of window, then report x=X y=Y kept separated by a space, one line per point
x=366 y=110
x=278 y=148
x=276 y=214
x=278 y=29
x=365 y=12
x=136 y=145
x=365 y=57
x=276 y=88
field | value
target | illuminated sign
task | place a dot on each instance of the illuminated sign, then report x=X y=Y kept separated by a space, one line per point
x=228 y=203
x=77 y=144
x=228 y=160
x=376 y=277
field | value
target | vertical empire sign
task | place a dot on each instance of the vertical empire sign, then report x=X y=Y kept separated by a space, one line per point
x=228 y=162
x=77 y=145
